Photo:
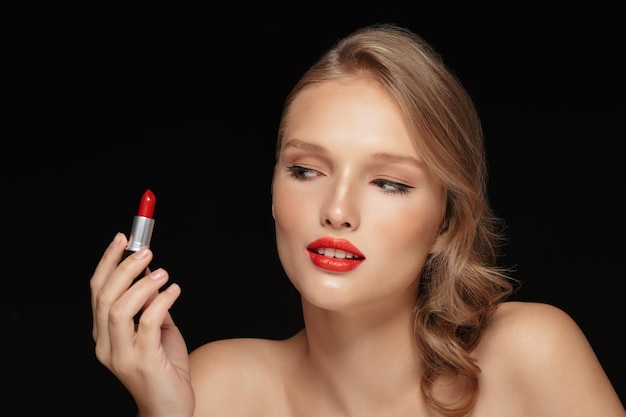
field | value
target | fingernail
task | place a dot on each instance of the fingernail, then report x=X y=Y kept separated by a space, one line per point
x=157 y=274
x=141 y=253
x=117 y=239
x=172 y=288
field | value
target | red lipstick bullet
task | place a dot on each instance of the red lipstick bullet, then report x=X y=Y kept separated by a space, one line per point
x=143 y=224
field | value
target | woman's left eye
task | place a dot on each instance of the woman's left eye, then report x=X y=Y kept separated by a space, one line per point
x=301 y=173
x=392 y=187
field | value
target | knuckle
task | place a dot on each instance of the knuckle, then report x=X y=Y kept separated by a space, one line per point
x=102 y=353
x=93 y=285
x=146 y=321
x=117 y=314
x=104 y=298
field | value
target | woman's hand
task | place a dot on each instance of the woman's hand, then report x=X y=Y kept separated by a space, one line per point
x=150 y=358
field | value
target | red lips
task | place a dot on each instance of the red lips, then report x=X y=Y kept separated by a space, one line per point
x=353 y=257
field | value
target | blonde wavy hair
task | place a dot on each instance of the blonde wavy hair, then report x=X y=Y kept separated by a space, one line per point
x=460 y=286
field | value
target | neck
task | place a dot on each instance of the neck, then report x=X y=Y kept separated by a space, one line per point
x=363 y=354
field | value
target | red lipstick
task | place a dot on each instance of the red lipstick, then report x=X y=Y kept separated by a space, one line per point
x=143 y=224
x=336 y=255
x=141 y=231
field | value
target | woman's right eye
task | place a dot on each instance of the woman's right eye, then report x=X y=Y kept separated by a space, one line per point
x=301 y=173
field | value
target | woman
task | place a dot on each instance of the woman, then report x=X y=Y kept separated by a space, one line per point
x=383 y=226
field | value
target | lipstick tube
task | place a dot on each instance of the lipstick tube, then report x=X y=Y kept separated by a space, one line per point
x=140 y=234
x=143 y=225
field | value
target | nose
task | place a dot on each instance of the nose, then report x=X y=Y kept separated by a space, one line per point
x=340 y=209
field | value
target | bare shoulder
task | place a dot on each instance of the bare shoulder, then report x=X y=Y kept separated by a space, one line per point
x=241 y=376
x=535 y=326
x=536 y=336
x=546 y=359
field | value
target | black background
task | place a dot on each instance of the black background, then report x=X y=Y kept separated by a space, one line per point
x=103 y=101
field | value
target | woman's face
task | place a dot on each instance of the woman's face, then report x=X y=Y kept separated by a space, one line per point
x=356 y=210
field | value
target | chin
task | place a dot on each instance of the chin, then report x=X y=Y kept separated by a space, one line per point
x=328 y=293
x=338 y=294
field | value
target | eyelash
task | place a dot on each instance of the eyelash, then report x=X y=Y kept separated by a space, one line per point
x=388 y=187
x=301 y=173
x=392 y=187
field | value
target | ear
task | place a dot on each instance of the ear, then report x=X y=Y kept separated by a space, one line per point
x=440 y=242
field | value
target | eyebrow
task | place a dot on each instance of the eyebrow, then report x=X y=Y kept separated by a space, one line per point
x=307 y=146
x=379 y=156
x=395 y=158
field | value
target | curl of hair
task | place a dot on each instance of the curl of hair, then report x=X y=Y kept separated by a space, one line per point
x=461 y=286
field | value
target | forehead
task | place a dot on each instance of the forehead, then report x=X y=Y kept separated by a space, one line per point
x=355 y=112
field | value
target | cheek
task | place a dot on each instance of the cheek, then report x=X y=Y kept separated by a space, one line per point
x=409 y=229
x=290 y=211
x=290 y=221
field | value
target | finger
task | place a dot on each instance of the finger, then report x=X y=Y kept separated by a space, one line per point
x=121 y=317
x=113 y=288
x=107 y=264
x=155 y=317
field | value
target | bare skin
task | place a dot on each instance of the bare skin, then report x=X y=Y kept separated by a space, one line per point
x=521 y=356
x=339 y=176
x=526 y=357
